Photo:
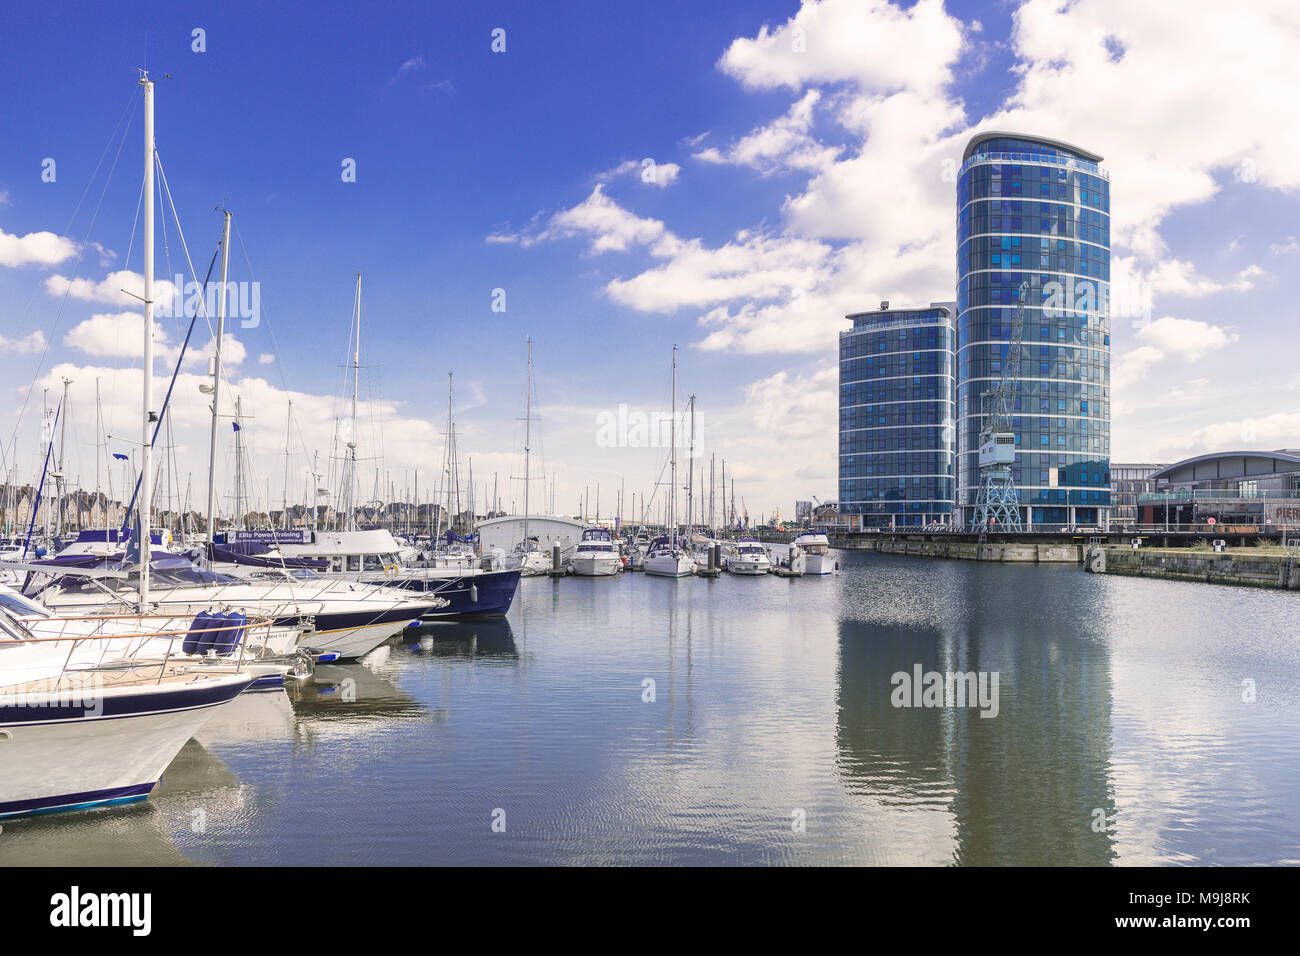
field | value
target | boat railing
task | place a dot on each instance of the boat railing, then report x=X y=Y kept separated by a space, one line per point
x=126 y=650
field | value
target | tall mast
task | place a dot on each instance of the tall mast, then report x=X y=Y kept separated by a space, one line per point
x=352 y=436
x=146 y=435
x=60 y=481
x=239 y=466
x=288 y=427
x=690 y=476
x=528 y=438
x=672 y=454
x=216 y=376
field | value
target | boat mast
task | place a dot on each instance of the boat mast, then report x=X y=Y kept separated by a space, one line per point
x=690 y=477
x=352 y=436
x=216 y=376
x=672 y=455
x=288 y=428
x=239 y=466
x=146 y=471
x=528 y=438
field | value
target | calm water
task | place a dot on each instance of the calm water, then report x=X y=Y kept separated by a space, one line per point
x=1116 y=695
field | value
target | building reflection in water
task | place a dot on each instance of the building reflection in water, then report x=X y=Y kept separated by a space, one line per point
x=1021 y=788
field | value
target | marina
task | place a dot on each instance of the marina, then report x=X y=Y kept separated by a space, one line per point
x=767 y=698
x=814 y=434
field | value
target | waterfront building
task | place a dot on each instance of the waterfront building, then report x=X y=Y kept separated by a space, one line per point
x=1032 y=209
x=1127 y=483
x=1251 y=488
x=896 y=418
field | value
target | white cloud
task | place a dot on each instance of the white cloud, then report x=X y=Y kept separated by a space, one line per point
x=1131 y=367
x=118 y=335
x=604 y=222
x=109 y=335
x=784 y=144
x=869 y=42
x=1179 y=277
x=123 y=287
x=35 y=248
x=27 y=345
x=266 y=358
x=1188 y=339
x=644 y=171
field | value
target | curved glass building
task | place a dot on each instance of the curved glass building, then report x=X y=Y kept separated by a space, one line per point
x=896 y=417
x=1037 y=210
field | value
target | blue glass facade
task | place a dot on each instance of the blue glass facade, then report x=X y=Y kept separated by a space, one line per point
x=1036 y=210
x=896 y=417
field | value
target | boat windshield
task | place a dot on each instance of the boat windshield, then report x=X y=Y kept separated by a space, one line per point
x=19 y=606
x=12 y=630
x=283 y=574
x=188 y=577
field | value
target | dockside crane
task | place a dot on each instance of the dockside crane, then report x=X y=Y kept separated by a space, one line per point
x=997 y=506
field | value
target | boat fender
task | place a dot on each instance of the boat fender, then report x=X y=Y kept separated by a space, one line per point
x=195 y=638
x=473 y=593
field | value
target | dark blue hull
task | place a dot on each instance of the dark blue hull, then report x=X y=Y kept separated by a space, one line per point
x=482 y=595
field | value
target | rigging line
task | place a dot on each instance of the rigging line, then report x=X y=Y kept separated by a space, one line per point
x=166 y=405
x=270 y=329
x=180 y=234
x=131 y=105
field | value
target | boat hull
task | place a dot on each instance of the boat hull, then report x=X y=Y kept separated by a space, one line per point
x=821 y=563
x=598 y=566
x=665 y=566
x=486 y=594
x=61 y=756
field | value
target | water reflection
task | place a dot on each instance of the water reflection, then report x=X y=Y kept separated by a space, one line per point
x=768 y=696
x=493 y=639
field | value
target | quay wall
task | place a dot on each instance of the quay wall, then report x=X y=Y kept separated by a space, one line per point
x=1179 y=564
x=1023 y=551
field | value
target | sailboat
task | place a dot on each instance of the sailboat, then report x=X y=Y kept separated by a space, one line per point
x=451 y=550
x=113 y=746
x=666 y=558
x=528 y=555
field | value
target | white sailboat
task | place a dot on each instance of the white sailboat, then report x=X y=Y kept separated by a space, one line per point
x=666 y=558
x=528 y=555
x=75 y=734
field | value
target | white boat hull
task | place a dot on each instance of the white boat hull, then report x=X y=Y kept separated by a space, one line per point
x=670 y=566
x=596 y=566
x=751 y=568
x=821 y=563
x=52 y=763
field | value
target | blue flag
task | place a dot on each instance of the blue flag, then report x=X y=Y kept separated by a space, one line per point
x=236 y=424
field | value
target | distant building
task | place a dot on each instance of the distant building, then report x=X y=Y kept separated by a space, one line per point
x=803 y=511
x=897 y=439
x=1127 y=484
x=1259 y=488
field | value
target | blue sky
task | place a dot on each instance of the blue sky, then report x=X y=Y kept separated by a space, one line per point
x=800 y=175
